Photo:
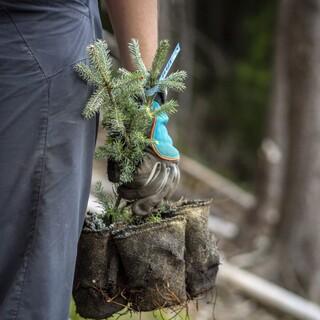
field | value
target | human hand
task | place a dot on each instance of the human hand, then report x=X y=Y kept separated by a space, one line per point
x=155 y=180
x=157 y=176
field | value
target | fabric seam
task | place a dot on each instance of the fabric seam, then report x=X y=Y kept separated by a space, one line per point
x=36 y=208
x=64 y=69
x=47 y=77
x=25 y=43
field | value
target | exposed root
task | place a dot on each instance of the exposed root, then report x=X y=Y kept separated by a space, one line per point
x=108 y=299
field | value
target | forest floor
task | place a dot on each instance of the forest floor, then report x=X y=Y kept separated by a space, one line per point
x=231 y=304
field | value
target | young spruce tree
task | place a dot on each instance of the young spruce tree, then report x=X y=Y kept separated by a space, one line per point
x=126 y=110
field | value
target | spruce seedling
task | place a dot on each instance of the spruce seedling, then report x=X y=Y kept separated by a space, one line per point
x=126 y=110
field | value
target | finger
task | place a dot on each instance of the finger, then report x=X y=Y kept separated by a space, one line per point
x=137 y=190
x=175 y=182
x=147 y=171
x=145 y=205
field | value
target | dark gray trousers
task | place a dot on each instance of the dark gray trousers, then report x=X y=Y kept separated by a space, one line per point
x=46 y=151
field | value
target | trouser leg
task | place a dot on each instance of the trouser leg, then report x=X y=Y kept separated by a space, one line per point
x=46 y=151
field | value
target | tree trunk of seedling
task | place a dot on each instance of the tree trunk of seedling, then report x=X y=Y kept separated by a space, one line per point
x=117 y=203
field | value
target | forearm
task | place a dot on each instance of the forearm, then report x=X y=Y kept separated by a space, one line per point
x=135 y=19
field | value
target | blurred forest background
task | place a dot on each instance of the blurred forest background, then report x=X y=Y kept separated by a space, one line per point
x=251 y=113
x=227 y=49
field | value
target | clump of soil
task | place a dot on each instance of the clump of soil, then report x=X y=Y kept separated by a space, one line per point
x=202 y=257
x=155 y=262
x=153 y=258
x=98 y=281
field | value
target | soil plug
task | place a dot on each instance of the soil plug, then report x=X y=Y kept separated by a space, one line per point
x=202 y=257
x=98 y=285
x=153 y=258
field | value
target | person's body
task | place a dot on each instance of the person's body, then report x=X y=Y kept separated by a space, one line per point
x=46 y=146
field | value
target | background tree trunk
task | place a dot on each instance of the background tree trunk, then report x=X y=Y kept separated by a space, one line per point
x=298 y=237
x=273 y=150
x=177 y=25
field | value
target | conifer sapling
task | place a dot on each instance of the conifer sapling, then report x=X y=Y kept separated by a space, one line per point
x=126 y=111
